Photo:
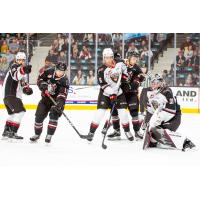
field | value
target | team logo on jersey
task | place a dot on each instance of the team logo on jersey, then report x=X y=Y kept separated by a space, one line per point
x=171 y=101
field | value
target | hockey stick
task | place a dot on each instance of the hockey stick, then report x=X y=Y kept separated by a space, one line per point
x=72 y=125
x=27 y=54
x=146 y=138
x=104 y=146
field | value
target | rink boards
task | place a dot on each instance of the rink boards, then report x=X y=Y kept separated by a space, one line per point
x=85 y=98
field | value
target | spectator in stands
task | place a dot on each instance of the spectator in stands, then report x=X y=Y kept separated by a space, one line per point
x=105 y=38
x=75 y=52
x=55 y=46
x=160 y=37
x=117 y=37
x=189 y=82
x=10 y=57
x=166 y=77
x=180 y=59
x=143 y=44
x=14 y=46
x=65 y=45
x=60 y=42
x=145 y=54
x=4 y=47
x=90 y=78
x=47 y=64
x=53 y=56
x=188 y=53
x=132 y=48
x=194 y=61
x=88 y=37
x=7 y=38
x=78 y=79
x=62 y=57
x=187 y=43
x=3 y=64
x=85 y=53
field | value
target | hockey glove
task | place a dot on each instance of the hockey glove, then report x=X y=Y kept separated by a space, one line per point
x=26 y=69
x=113 y=98
x=27 y=90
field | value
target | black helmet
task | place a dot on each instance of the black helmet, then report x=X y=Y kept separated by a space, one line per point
x=132 y=54
x=61 y=66
x=117 y=57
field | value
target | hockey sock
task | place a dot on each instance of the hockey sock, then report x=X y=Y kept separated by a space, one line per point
x=136 y=124
x=116 y=123
x=13 y=125
x=38 y=128
x=126 y=127
x=93 y=127
x=52 y=127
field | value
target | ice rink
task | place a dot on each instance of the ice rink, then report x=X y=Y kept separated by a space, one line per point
x=78 y=163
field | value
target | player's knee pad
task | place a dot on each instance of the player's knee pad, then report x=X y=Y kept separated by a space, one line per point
x=115 y=112
x=54 y=116
x=10 y=117
x=39 y=118
x=17 y=117
x=133 y=113
x=99 y=115
x=123 y=115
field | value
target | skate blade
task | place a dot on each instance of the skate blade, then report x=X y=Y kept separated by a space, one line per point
x=4 y=138
x=33 y=142
x=138 y=139
x=13 y=140
x=114 y=139
x=192 y=150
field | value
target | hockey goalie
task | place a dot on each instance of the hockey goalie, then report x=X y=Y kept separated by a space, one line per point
x=163 y=118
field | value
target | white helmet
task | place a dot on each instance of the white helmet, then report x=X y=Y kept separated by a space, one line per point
x=108 y=52
x=20 y=56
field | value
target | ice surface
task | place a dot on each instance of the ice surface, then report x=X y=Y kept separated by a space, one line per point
x=74 y=165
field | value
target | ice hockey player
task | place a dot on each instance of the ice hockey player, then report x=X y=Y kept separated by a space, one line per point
x=109 y=79
x=130 y=88
x=13 y=87
x=163 y=118
x=54 y=82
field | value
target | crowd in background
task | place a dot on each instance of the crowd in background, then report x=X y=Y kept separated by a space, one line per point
x=187 y=63
x=10 y=44
x=83 y=52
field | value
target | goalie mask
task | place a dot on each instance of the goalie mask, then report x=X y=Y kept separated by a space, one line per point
x=157 y=82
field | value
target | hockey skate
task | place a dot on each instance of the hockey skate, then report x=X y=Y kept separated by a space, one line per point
x=34 y=138
x=48 y=138
x=188 y=145
x=138 y=135
x=90 y=136
x=14 y=135
x=6 y=133
x=129 y=136
x=115 y=135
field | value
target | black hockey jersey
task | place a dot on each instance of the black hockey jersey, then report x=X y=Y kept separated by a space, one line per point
x=13 y=82
x=134 y=80
x=60 y=85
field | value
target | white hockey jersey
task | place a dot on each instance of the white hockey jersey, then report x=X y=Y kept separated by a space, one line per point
x=163 y=103
x=106 y=81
